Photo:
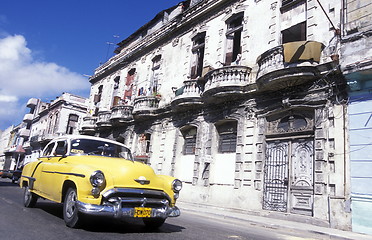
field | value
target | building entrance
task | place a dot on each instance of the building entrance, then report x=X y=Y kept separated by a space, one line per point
x=288 y=176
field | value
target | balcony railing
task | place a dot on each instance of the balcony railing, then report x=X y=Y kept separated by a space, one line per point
x=88 y=125
x=28 y=117
x=145 y=106
x=32 y=102
x=289 y=64
x=24 y=132
x=103 y=119
x=270 y=61
x=228 y=80
x=121 y=113
x=188 y=95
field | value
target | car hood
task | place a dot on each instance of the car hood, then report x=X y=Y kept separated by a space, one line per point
x=121 y=173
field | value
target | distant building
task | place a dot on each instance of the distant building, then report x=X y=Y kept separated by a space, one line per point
x=5 y=143
x=46 y=121
x=244 y=101
x=356 y=62
x=12 y=152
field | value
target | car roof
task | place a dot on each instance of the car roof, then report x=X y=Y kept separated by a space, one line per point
x=69 y=137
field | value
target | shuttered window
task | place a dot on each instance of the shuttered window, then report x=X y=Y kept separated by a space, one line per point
x=227 y=132
x=233 y=38
x=197 y=55
x=189 y=135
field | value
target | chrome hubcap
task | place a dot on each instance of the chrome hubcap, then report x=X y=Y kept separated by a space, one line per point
x=70 y=204
x=27 y=194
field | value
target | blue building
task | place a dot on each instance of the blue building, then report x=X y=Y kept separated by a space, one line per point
x=356 y=63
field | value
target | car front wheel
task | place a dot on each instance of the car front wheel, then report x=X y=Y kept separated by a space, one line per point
x=71 y=214
x=29 y=198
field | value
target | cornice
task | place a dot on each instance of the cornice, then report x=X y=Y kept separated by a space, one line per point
x=183 y=23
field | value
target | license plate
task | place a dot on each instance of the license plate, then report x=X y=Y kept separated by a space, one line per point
x=142 y=212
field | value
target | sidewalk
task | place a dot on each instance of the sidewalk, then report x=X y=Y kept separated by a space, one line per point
x=272 y=223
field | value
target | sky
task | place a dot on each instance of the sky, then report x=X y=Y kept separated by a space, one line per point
x=49 y=47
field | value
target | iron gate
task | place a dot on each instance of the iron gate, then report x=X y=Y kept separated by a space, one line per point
x=276 y=177
x=288 y=176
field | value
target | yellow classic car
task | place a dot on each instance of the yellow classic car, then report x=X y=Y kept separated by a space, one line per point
x=97 y=176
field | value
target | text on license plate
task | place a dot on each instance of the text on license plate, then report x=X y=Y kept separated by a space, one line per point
x=142 y=212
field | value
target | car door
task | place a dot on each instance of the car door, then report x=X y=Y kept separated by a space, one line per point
x=39 y=175
x=54 y=171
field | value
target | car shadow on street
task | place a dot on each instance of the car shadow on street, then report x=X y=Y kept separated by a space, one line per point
x=108 y=225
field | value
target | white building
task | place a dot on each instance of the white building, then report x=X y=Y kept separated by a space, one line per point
x=5 y=142
x=244 y=101
x=46 y=121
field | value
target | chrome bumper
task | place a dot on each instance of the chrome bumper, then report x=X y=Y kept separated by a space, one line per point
x=116 y=211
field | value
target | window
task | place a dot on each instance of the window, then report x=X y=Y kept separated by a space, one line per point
x=154 y=84
x=97 y=98
x=292 y=123
x=129 y=86
x=189 y=135
x=294 y=33
x=290 y=3
x=116 y=82
x=72 y=123
x=115 y=95
x=61 y=148
x=197 y=55
x=48 y=150
x=99 y=148
x=53 y=123
x=233 y=36
x=144 y=144
x=227 y=132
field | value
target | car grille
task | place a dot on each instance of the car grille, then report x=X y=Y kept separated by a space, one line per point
x=131 y=198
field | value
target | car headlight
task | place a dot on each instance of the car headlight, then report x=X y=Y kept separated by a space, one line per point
x=97 y=179
x=176 y=185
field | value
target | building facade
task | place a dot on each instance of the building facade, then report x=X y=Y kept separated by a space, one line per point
x=356 y=62
x=44 y=122
x=244 y=101
x=8 y=155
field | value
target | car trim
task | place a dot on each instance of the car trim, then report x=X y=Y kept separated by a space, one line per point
x=38 y=164
x=142 y=181
x=118 y=212
x=64 y=173
x=139 y=192
x=31 y=181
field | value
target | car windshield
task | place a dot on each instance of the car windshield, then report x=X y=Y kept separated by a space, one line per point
x=100 y=148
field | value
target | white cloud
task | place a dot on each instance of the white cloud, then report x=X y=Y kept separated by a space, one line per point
x=5 y=98
x=22 y=76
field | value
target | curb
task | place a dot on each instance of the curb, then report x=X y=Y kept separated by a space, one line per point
x=268 y=222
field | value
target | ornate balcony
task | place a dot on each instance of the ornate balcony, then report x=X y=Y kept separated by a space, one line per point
x=103 y=119
x=188 y=96
x=121 y=114
x=288 y=65
x=25 y=133
x=32 y=102
x=145 y=106
x=88 y=125
x=28 y=117
x=226 y=81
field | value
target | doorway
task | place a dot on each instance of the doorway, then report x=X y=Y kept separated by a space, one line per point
x=289 y=176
